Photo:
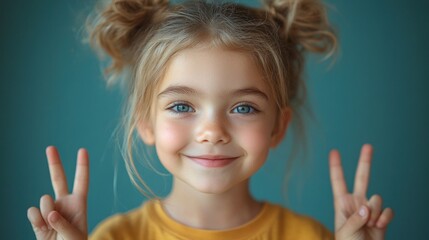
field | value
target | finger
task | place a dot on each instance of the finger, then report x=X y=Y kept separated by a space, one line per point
x=375 y=204
x=58 y=178
x=47 y=205
x=36 y=219
x=339 y=186
x=63 y=227
x=354 y=223
x=362 y=171
x=81 y=179
x=385 y=218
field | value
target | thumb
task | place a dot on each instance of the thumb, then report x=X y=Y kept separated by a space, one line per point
x=355 y=222
x=63 y=227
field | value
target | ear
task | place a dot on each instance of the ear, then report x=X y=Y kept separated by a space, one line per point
x=145 y=131
x=282 y=123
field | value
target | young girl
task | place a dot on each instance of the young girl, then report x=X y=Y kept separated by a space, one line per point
x=212 y=86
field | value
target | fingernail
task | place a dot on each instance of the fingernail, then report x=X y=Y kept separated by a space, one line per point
x=54 y=217
x=363 y=212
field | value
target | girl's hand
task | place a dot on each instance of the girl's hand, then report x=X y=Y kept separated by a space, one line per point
x=64 y=218
x=356 y=217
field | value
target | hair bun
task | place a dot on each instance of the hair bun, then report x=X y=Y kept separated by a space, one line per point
x=304 y=22
x=115 y=28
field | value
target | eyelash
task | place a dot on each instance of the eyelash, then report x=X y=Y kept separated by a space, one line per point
x=176 y=104
x=253 y=110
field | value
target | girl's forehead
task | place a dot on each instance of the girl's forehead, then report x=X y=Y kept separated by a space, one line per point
x=213 y=68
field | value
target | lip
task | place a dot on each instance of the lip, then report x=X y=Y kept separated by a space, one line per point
x=212 y=161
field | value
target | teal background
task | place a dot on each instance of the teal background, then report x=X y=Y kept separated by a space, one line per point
x=53 y=93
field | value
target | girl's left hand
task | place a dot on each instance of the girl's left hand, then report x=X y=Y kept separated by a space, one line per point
x=356 y=217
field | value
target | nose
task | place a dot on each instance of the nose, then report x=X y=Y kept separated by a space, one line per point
x=212 y=130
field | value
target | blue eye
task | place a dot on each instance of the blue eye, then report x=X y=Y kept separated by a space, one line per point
x=244 y=109
x=181 y=108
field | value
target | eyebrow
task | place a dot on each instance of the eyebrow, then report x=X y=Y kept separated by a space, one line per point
x=183 y=90
x=251 y=91
x=177 y=90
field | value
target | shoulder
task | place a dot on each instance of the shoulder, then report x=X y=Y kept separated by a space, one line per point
x=298 y=226
x=120 y=226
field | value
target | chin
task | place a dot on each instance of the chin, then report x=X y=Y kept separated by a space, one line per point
x=212 y=187
x=213 y=191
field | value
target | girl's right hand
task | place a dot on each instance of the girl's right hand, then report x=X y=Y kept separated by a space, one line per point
x=64 y=218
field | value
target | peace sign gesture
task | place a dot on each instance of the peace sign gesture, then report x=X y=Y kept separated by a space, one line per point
x=64 y=218
x=356 y=217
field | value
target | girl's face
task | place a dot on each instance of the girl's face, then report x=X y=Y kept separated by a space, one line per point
x=214 y=119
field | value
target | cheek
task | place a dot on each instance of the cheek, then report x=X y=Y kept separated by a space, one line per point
x=170 y=136
x=255 y=139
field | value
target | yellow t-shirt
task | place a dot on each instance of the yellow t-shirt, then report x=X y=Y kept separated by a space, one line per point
x=150 y=221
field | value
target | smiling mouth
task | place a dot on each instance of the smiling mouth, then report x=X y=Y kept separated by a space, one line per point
x=212 y=161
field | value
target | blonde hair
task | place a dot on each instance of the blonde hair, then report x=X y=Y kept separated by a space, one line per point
x=141 y=36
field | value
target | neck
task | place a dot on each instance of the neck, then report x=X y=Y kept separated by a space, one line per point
x=213 y=211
